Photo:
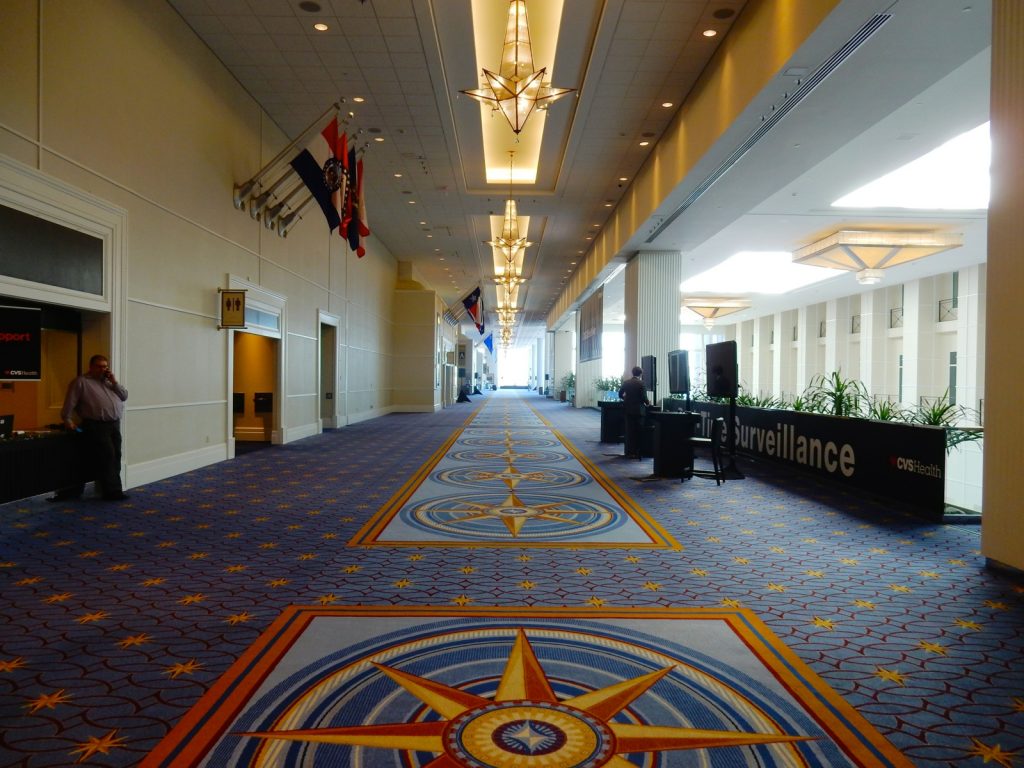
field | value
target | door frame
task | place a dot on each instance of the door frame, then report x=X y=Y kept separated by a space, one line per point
x=273 y=304
x=327 y=318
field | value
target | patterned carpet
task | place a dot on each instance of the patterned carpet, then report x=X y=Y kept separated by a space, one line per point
x=120 y=618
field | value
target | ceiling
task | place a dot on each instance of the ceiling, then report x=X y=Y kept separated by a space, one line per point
x=918 y=80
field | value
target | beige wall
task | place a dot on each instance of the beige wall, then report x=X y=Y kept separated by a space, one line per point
x=416 y=345
x=1002 y=536
x=120 y=99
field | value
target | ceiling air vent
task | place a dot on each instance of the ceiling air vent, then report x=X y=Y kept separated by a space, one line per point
x=770 y=121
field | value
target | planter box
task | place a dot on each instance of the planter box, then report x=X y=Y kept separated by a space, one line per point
x=904 y=462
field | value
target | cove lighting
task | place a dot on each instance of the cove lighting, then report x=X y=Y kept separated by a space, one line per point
x=756 y=272
x=952 y=177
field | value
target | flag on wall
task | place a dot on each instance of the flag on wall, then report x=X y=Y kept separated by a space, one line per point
x=357 y=226
x=475 y=308
x=364 y=225
x=320 y=170
x=489 y=343
x=342 y=195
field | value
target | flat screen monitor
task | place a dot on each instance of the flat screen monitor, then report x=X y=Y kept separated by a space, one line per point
x=649 y=364
x=678 y=372
x=723 y=375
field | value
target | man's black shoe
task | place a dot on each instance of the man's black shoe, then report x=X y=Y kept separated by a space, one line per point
x=117 y=497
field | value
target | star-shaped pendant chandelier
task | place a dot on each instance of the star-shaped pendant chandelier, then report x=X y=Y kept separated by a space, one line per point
x=517 y=88
x=509 y=241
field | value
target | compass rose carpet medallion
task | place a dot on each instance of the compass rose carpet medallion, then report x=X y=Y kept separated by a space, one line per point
x=540 y=687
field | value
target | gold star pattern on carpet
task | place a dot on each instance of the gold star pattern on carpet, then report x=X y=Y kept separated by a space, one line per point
x=101 y=745
x=994 y=753
x=47 y=701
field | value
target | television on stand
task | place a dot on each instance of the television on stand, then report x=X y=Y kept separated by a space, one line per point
x=679 y=374
x=649 y=365
x=723 y=381
x=723 y=373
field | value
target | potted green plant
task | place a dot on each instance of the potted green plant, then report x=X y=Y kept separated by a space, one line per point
x=941 y=413
x=568 y=387
x=609 y=387
x=836 y=395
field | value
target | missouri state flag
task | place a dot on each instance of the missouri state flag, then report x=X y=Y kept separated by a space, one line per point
x=321 y=171
x=475 y=308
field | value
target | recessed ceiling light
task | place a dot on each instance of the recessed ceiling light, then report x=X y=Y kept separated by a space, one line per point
x=606 y=205
x=412 y=202
x=442 y=258
x=623 y=178
x=378 y=138
x=709 y=32
x=429 y=237
x=667 y=104
x=309 y=7
x=588 y=237
x=320 y=27
x=644 y=143
x=358 y=99
x=398 y=176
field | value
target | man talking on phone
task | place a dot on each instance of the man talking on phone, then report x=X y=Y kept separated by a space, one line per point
x=98 y=399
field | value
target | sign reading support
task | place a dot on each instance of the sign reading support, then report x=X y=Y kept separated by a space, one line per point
x=20 y=343
x=232 y=309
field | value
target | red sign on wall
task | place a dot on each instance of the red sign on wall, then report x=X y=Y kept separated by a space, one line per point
x=20 y=343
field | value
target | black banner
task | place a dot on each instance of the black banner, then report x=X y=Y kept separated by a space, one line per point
x=20 y=343
x=889 y=459
x=591 y=326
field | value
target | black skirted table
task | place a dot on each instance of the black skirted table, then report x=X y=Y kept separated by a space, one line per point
x=613 y=425
x=39 y=463
x=613 y=421
x=673 y=453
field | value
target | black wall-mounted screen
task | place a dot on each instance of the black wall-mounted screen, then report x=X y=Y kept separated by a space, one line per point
x=723 y=374
x=40 y=251
x=20 y=343
x=649 y=364
x=678 y=372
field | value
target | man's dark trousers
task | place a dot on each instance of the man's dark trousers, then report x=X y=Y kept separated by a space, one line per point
x=101 y=452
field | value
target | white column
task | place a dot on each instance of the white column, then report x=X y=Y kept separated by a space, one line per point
x=874 y=323
x=807 y=349
x=564 y=351
x=837 y=331
x=784 y=361
x=970 y=347
x=920 y=366
x=653 y=279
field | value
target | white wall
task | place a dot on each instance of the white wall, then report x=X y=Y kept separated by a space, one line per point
x=121 y=100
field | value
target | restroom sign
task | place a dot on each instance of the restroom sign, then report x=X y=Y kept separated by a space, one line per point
x=232 y=309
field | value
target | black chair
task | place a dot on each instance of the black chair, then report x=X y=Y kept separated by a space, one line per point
x=715 y=443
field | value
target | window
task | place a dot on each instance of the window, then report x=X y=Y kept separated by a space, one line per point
x=952 y=378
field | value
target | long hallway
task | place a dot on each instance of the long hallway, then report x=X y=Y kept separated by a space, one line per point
x=485 y=547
